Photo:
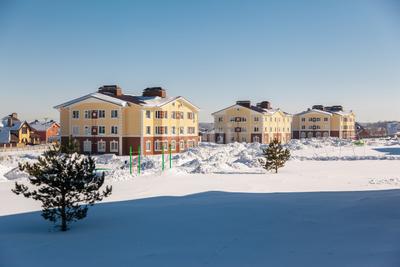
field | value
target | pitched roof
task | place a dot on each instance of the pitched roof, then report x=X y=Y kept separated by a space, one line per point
x=255 y=109
x=123 y=100
x=315 y=110
x=41 y=125
x=6 y=133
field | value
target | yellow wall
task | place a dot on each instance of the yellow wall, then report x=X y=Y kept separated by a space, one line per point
x=131 y=119
x=26 y=136
x=267 y=123
x=177 y=106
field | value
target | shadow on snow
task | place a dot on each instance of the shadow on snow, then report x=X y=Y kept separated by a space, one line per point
x=216 y=229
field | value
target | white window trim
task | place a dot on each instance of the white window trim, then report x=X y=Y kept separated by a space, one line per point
x=76 y=127
x=98 y=130
x=85 y=146
x=173 y=145
x=104 y=146
x=79 y=115
x=111 y=146
x=148 y=149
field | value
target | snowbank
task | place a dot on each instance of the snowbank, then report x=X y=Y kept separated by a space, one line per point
x=227 y=159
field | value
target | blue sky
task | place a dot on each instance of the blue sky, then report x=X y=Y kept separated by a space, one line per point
x=292 y=53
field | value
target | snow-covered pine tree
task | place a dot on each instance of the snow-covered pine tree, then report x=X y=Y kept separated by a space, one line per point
x=275 y=156
x=66 y=184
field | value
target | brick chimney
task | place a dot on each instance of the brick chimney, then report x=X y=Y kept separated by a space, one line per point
x=154 y=91
x=264 y=105
x=244 y=103
x=112 y=90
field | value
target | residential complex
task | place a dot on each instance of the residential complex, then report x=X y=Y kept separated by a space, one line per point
x=108 y=121
x=16 y=133
x=244 y=122
x=320 y=121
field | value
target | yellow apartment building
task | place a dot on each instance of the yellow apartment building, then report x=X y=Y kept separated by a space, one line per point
x=244 y=122
x=320 y=121
x=109 y=121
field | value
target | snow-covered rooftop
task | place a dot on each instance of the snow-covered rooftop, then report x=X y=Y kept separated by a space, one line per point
x=123 y=100
x=41 y=125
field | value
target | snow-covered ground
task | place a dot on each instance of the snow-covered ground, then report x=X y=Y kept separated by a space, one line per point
x=333 y=204
x=225 y=159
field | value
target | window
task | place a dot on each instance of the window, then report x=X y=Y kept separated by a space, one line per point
x=161 y=114
x=114 y=146
x=325 y=119
x=181 y=130
x=256 y=139
x=75 y=114
x=256 y=118
x=148 y=130
x=75 y=130
x=173 y=115
x=148 y=114
x=102 y=130
x=101 y=114
x=220 y=119
x=160 y=145
x=190 y=115
x=101 y=146
x=181 y=145
x=148 y=146
x=114 y=113
x=87 y=146
x=88 y=114
x=173 y=145
x=87 y=130
x=256 y=129
x=190 y=144
x=173 y=130
x=114 y=129
x=191 y=130
x=161 y=130
x=24 y=130
x=180 y=115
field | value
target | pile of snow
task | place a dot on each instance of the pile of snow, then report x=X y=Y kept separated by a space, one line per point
x=206 y=158
x=226 y=158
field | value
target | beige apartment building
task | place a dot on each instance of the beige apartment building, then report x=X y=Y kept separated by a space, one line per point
x=109 y=121
x=320 y=121
x=244 y=122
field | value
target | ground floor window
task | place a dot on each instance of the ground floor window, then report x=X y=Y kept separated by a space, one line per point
x=303 y=135
x=101 y=146
x=114 y=146
x=309 y=135
x=173 y=145
x=182 y=145
x=160 y=145
x=318 y=134
x=256 y=139
x=148 y=146
x=220 y=139
x=326 y=134
x=190 y=144
x=87 y=146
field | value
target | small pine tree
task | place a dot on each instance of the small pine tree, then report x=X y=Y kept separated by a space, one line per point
x=275 y=156
x=66 y=184
x=72 y=146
